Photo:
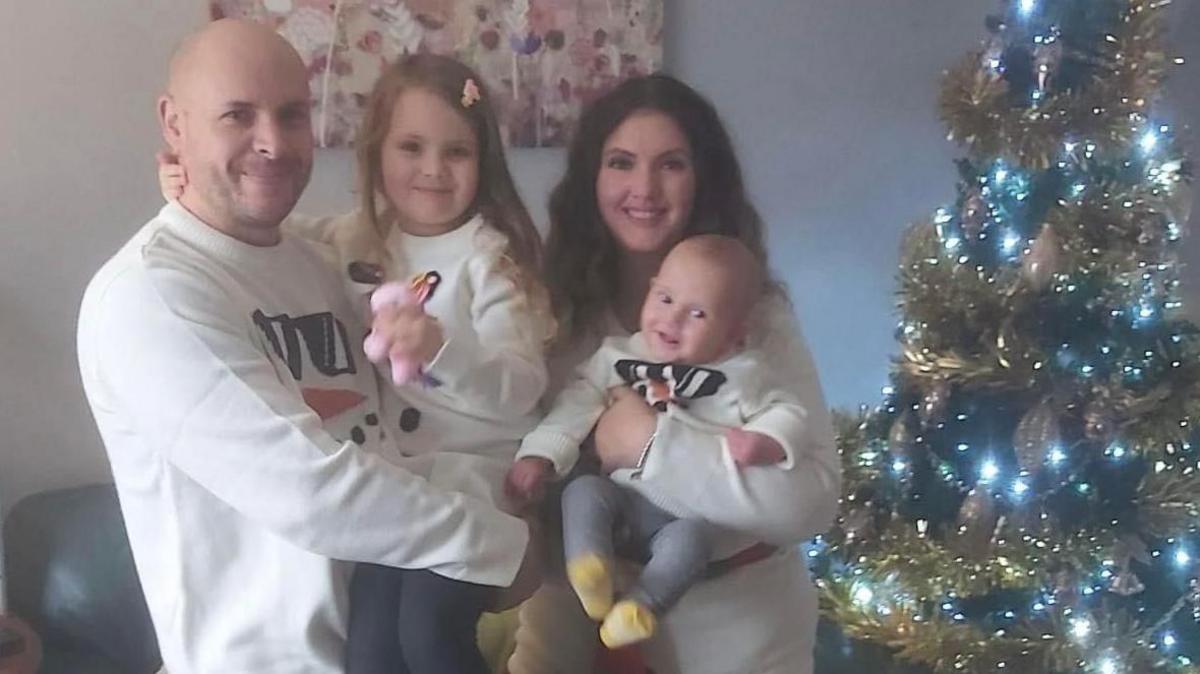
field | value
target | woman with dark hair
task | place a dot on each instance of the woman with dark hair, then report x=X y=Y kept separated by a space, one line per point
x=650 y=165
x=588 y=255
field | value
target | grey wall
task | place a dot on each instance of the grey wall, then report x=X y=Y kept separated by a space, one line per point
x=831 y=104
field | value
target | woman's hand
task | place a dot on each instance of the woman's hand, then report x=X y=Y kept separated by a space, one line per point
x=172 y=178
x=623 y=429
x=409 y=332
x=529 y=576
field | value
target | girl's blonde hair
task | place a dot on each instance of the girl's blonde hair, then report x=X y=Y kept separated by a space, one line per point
x=496 y=197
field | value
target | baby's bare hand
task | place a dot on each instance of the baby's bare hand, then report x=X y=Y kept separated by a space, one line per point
x=526 y=481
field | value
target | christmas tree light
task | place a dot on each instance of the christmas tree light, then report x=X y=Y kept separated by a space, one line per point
x=1026 y=496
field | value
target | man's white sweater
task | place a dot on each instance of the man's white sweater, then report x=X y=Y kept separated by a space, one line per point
x=244 y=430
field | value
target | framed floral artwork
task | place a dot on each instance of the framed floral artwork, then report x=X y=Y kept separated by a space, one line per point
x=540 y=60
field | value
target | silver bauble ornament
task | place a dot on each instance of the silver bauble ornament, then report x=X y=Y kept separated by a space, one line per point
x=1036 y=434
x=1043 y=260
x=977 y=518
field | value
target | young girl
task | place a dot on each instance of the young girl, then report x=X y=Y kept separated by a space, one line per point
x=439 y=206
x=450 y=214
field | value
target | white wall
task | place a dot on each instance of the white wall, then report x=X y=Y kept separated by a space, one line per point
x=836 y=129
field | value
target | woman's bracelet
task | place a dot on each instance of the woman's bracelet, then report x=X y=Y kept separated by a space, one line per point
x=641 y=462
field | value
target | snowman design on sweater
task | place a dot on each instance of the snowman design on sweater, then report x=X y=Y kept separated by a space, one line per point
x=321 y=342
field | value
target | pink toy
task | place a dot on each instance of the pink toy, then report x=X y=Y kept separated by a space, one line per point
x=417 y=292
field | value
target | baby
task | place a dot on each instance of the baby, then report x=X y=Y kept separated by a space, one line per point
x=688 y=359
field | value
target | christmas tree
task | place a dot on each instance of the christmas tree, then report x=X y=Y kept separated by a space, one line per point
x=1026 y=497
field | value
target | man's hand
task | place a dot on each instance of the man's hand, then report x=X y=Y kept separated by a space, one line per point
x=526 y=481
x=623 y=429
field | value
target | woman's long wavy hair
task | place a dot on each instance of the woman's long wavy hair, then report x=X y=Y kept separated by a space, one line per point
x=582 y=256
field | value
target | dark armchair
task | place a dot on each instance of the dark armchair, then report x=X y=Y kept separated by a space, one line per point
x=71 y=575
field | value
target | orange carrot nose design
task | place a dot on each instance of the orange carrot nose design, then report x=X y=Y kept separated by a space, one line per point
x=328 y=403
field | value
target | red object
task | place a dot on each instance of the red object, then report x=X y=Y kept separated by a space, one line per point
x=626 y=660
x=750 y=555
x=424 y=285
x=20 y=649
x=330 y=402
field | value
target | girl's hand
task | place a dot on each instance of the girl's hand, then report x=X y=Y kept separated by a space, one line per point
x=750 y=448
x=172 y=178
x=623 y=429
x=409 y=332
x=526 y=481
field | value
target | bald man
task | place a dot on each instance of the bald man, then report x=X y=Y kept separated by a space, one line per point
x=243 y=424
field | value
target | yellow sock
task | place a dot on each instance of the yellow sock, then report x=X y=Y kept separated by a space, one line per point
x=590 y=578
x=627 y=623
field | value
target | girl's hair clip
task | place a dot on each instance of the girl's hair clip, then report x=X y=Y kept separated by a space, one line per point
x=470 y=93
